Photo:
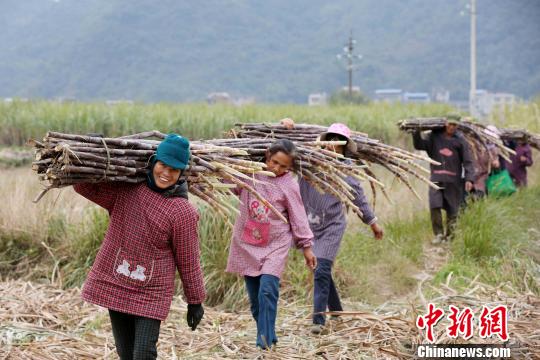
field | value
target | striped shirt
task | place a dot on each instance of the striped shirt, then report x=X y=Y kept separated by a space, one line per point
x=327 y=217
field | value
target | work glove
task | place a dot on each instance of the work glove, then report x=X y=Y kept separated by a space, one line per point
x=195 y=313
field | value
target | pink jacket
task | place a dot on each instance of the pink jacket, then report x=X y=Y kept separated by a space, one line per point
x=284 y=194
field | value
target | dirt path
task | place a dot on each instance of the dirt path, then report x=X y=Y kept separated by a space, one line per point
x=435 y=257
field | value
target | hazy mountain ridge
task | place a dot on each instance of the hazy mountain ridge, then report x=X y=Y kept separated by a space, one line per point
x=276 y=51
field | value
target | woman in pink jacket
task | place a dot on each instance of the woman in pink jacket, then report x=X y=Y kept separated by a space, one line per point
x=261 y=241
x=152 y=232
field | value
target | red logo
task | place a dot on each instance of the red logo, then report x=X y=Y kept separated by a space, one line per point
x=491 y=322
x=446 y=152
x=461 y=323
x=429 y=321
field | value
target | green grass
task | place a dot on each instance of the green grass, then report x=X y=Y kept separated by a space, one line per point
x=522 y=116
x=20 y=121
x=15 y=156
x=83 y=242
x=371 y=270
x=224 y=289
x=17 y=249
x=499 y=240
x=496 y=239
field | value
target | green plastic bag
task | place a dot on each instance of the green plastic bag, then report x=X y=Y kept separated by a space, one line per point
x=499 y=183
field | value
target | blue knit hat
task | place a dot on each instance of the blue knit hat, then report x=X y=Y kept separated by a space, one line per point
x=173 y=151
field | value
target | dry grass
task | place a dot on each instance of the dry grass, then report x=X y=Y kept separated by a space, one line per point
x=18 y=186
x=43 y=322
x=56 y=240
x=29 y=231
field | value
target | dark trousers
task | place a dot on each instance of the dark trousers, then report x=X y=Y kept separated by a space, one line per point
x=324 y=291
x=135 y=336
x=437 y=222
x=449 y=198
x=263 y=291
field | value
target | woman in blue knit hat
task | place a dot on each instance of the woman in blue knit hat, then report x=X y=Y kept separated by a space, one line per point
x=152 y=232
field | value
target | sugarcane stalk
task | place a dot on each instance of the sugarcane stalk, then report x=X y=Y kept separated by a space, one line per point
x=120 y=152
x=249 y=188
x=127 y=162
x=144 y=135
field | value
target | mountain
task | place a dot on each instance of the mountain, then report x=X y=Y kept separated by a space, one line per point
x=278 y=50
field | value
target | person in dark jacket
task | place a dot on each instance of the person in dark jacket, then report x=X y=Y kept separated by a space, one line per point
x=520 y=161
x=449 y=148
x=152 y=231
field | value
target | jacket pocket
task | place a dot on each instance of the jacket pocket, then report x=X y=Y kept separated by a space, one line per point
x=256 y=233
x=130 y=269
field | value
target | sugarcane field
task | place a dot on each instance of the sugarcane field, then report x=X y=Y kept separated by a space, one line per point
x=269 y=180
x=51 y=235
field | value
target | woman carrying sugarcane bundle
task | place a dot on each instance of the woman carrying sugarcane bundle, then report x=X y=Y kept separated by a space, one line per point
x=328 y=222
x=520 y=161
x=152 y=232
x=261 y=240
x=486 y=159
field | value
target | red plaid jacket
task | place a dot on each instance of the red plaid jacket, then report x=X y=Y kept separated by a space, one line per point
x=149 y=236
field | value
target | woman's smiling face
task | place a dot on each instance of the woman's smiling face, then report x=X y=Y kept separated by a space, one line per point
x=279 y=163
x=165 y=176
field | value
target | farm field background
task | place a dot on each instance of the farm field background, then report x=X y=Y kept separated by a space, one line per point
x=54 y=242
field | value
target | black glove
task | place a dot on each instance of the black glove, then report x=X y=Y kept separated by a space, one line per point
x=195 y=313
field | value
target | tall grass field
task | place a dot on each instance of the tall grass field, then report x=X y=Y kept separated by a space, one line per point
x=57 y=239
x=22 y=120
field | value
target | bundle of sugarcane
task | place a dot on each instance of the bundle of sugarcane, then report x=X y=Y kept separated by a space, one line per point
x=476 y=134
x=320 y=167
x=521 y=135
x=216 y=165
x=67 y=159
x=401 y=163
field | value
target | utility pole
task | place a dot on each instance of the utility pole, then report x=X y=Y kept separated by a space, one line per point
x=472 y=95
x=350 y=57
x=350 y=48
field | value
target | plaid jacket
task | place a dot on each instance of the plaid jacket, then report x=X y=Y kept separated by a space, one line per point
x=149 y=236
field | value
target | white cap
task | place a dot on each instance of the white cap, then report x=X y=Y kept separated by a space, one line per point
x=492 y=130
